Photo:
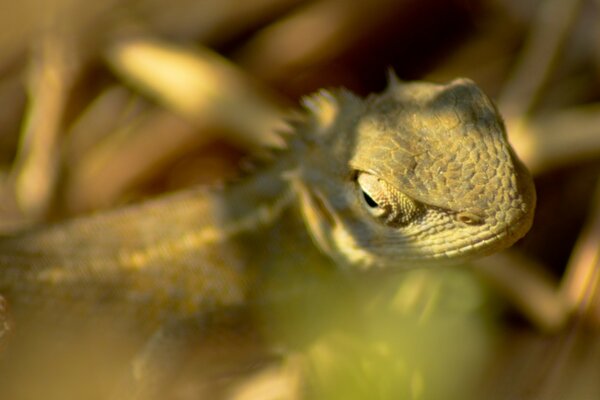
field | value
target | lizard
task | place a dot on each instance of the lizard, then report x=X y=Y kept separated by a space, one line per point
x=419 y=175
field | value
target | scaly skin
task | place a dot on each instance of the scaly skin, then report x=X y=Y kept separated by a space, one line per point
x=421 y=174
x=444 y=184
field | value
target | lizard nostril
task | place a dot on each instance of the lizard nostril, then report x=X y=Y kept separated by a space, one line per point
x=468 y=218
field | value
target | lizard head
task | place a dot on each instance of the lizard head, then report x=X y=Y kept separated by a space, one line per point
x=417 y=175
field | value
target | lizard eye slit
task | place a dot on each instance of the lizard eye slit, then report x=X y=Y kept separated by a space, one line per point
x=369 y=200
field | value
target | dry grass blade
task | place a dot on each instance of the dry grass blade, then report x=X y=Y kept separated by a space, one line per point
x=51 y=73
x=566 y=137
x=528 y=287
x=581 y=285
x=313 y=34
x=5 y=324
x=551 y=27
x=201 y=86
x=125 y=157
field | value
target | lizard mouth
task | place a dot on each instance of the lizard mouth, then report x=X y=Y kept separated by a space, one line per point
x=367 y=246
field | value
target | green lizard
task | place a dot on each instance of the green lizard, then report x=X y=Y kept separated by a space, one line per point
x=419 y=175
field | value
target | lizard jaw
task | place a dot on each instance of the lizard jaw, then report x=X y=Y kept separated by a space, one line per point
x=334 y=237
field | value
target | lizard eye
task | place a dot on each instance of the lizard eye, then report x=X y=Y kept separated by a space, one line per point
x=369 y=200
x=386 y=203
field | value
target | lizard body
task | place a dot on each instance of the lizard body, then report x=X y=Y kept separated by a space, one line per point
x=420 y=174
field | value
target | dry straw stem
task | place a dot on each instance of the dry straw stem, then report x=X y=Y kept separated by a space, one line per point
x=125 y=156
x=51 y=72
x=548 y=33
x=533 y=292
x=565 y=137
x=201 y=86
x=313 y=34
x=5 y=325
x=527 y=286
x=206 y=21
x=581 y=285
x=200 y=92
x=549 y=141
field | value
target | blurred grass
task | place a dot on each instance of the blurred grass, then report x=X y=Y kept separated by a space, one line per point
x=106 y=103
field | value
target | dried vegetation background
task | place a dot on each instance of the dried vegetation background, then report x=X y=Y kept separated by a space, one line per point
x=109 y=102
